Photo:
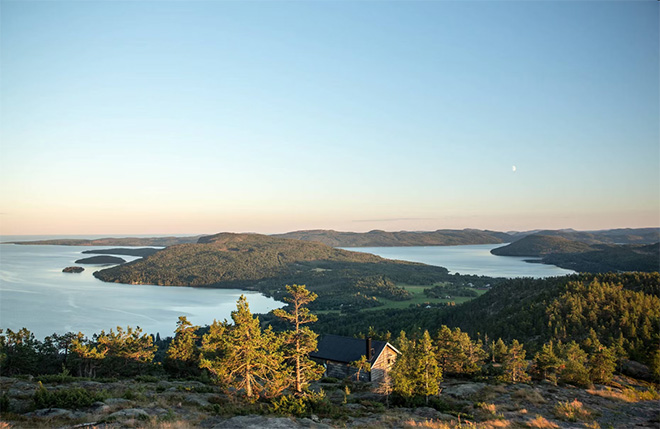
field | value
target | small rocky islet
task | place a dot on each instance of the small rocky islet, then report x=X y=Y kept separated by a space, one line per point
x=73 y=269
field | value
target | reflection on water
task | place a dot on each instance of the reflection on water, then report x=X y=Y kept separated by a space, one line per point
x=36 y=294
x=472 y=259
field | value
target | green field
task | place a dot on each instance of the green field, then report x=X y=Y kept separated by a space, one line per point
x=418 y=298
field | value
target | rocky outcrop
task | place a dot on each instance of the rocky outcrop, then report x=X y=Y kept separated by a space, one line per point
x=194 y=404
x=73 y=269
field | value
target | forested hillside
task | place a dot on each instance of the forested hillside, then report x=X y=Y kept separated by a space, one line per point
x=257 y=262
x=622 y=309
x=377 y=238
x=540 y=245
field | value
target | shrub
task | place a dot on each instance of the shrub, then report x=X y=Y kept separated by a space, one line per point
x=71 y=398
x=147 y=379
x=4 y=403
x=289 y=405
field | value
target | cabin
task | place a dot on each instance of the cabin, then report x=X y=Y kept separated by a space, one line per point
x=336 y=353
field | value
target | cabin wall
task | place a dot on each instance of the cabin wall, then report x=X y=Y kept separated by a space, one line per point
x=383 y=364
x=341 y=370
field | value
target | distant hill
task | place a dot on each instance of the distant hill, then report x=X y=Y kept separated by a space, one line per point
x=540 y=245
x=592 y=257
x=377 y=238
x=609 y=258
x=267 y=264
x=608 y=236
x=110 y=241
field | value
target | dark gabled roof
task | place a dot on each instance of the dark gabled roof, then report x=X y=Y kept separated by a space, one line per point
x=347 y=349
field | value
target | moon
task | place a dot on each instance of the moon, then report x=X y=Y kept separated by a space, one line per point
x=513 y=168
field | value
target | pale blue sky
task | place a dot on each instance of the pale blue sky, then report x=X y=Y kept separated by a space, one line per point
x=269 y=116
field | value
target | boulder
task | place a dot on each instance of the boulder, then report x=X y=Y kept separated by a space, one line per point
x=636 y=370
x=52 y=413
x=463 y=390
x=73 y=270
x=258 y=422
x=432 y=413
x=130 y=413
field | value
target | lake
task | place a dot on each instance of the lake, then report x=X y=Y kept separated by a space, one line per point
x=471 y=259
x=36 y=294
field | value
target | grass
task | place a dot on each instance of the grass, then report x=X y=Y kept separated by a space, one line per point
x=572 y=411
x=627 y=394
x=541 y=423
x=531 y=396
x=418 y=298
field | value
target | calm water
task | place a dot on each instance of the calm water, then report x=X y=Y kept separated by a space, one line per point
x=473 y=259
x=36 y=294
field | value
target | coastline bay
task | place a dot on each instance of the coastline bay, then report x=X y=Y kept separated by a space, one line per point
x=37 y=295
x=469 y=259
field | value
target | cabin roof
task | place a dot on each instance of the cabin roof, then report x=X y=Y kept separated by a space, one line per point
x=347 y=349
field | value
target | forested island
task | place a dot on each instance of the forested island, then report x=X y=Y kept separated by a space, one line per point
x=343 y=279
x=120 y=251
x=105 y=260
x=593 y=257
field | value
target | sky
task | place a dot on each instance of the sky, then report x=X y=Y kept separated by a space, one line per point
x=166 y=117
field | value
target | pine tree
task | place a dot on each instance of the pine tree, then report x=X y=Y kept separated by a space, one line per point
x=499 y=351
x=183 y=354
x=602 y=360
x=548 y=363
x=300 y=342
x=574 y=370
x=86 y=355
x=444 y=343
x=249 y=359
x=515 y=365
x=361 y=364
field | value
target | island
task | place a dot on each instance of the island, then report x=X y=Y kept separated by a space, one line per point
x=142 y=252
x=101 y=260
x=587 y=257
x=342 y=279
x=73 y=269
x=111 y=241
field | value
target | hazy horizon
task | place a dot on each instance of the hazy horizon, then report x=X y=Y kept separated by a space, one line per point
x=165 y=118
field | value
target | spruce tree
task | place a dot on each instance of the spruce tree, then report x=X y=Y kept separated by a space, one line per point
x=404 y=371
x=430 y=374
